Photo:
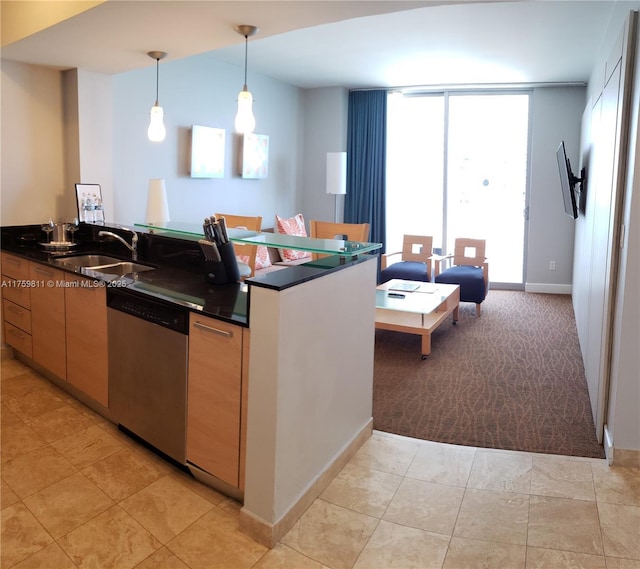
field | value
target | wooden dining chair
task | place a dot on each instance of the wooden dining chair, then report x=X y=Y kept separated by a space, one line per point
x=245 y=254
x=344 y=231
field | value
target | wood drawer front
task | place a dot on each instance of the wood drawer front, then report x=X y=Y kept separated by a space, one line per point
x=17 y=315
x=18 y=339
x=15 y=267
x=18 y=294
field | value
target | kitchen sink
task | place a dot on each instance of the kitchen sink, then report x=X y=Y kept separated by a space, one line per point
x=103 y=264
x=122 y=268
x=86 y=261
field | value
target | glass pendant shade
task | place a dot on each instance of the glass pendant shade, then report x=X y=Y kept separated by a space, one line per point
x=156 y=131
x=245 y=122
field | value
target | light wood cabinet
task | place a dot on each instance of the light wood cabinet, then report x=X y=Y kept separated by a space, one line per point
x=15 y=267
x=48 y=318
x=18 y=339
x=215 y=410
x=17 y=315
x=16 y=304
x=59 y=320
x=86 y=337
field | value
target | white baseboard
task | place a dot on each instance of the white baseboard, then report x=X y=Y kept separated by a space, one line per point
x=619 y=456
x=548 y=288
x=270 y=534
x=608 y=445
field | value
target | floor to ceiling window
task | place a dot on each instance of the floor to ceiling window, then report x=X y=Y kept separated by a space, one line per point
x=457 y=167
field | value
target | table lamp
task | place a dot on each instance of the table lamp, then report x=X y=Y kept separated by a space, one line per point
x=336 y=176
x=157 y=206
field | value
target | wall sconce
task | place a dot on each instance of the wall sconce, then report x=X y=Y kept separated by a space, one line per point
x=245 y=122
x=336 y=176
x=156 y=131
x=157 y=206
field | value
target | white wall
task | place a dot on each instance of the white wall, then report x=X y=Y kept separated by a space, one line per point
x=32 y=181
x=310 y=392
x=200 y=90
x=623 y=417
x=326 y=113
x=615 y=290
x=555 y=116
x=95 y=112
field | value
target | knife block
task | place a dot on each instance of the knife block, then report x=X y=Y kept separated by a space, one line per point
x=224 y=271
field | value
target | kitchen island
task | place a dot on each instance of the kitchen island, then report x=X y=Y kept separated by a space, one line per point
x=303 y=387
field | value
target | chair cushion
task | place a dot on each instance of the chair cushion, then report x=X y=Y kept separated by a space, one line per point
x=406 y=270
x=470 y=279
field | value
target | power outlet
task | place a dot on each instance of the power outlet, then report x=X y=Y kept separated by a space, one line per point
x=552 y=265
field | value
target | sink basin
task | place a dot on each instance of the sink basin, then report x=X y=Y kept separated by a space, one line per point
x=103 y=264
x=79 y=261
x=122 y=268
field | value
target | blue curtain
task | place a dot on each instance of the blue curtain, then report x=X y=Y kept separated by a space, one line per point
x=366 y=161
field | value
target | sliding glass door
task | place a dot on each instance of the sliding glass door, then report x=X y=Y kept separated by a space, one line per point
x=457 y=167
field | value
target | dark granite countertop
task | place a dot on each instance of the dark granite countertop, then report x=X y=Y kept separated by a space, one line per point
x=179 y=275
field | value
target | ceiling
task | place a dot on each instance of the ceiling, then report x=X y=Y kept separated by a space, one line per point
x=354 y=44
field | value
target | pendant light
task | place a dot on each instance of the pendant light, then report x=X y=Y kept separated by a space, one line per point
x=245 y=121
x=156 y=131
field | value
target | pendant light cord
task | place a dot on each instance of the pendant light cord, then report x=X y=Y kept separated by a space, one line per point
x=157 y=79
x=246 y=50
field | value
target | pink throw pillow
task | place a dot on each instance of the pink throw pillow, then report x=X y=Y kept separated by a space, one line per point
x=292 y=226
x=262 y=258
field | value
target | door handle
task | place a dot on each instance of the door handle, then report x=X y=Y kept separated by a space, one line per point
x=217 y=331
x=43 y=271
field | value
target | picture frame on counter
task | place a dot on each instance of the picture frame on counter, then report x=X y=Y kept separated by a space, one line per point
x=89 y=203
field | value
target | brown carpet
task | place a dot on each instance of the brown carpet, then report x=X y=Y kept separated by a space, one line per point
x=511 y=379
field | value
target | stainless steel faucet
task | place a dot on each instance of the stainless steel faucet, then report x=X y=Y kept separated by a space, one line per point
x=134 y=240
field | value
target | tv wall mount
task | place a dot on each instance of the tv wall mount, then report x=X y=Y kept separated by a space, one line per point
x=575 y=180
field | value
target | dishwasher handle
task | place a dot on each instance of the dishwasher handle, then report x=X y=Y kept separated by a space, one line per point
x=225 y=333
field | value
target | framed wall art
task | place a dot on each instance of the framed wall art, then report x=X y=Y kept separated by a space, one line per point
x=254 y=160
x=207 y=152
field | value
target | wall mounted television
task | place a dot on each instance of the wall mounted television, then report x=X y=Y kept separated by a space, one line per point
x=568 y=182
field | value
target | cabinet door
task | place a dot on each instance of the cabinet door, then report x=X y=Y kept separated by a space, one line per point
x=48 y=319
x=214 y=397
x=86 y=337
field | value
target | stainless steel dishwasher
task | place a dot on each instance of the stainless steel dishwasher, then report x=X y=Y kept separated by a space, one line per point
x=148 y=343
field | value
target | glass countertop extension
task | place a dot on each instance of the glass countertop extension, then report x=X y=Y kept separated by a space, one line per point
x=327 y=246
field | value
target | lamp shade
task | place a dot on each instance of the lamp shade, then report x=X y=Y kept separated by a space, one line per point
x=156 y=131
x=245 y=122
x=157 y=206
x=336 y=172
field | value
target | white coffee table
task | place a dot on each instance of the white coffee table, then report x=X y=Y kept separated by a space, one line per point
x=418 y=311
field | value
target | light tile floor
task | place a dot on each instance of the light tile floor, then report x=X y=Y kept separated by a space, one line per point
x=78 y=493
